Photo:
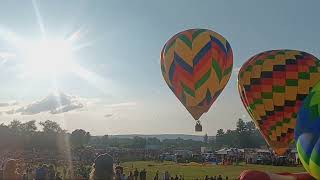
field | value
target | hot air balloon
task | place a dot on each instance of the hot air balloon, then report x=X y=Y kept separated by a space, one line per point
x=196 y=65
x=307 y=132
x=272 y=86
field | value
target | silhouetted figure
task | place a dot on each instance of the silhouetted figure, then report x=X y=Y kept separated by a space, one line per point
x=136 y=174
x=143 y=175
x=176 y=178
x=51 y=173
x=219 y=177
x=102 y=168
x=42 y=172
x=58 y=177
x=166 y=176
x=130 y=176
x=156 y=177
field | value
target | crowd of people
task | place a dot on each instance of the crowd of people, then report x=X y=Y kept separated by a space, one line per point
x=105 y=167
x=15 y=169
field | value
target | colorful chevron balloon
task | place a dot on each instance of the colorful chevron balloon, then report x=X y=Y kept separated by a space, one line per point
x=307 y=132
x=272 y=86
x=197 y=64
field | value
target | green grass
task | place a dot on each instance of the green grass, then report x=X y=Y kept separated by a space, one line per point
x=193 y=171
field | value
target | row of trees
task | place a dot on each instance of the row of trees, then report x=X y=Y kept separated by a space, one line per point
x=246 y=135
x=140 y=143
x=18 y=135
x=26 y=136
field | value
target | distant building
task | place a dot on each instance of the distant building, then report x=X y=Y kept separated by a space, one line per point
x=206 y=150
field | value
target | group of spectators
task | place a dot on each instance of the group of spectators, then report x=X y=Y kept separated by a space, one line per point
x=103 y=168
x=11 y=170
x=216 y=178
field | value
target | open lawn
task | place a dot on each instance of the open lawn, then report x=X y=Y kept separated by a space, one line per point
x=194 y=170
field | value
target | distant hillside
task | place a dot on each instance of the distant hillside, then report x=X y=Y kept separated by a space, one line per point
x=163 y=136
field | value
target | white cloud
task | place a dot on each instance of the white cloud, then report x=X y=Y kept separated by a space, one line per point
x=5 y=56
x=125 y=104
x=54 y=103
x=108 y=115
x=10 y=103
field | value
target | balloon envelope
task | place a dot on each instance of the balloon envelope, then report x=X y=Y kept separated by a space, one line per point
x=196 y=65
x=307 y=132
x=272 y=86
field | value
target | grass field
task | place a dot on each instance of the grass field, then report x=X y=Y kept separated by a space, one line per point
x=194 y=170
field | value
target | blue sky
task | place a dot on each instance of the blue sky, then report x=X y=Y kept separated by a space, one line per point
x=119 y=45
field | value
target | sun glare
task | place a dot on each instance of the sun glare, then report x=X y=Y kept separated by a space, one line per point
x=51 y=57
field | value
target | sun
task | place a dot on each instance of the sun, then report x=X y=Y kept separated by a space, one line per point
x=51 y=57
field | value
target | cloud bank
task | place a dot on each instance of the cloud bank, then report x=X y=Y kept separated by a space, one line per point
x=54 y=103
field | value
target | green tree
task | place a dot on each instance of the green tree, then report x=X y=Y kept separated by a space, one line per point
x=51 y=127
x=29 y=127
x=220 y=139
x=15 y=126
x=242 y=134
x=153 y=141
x=220 y=132
x=79 y=138
x=138 y=142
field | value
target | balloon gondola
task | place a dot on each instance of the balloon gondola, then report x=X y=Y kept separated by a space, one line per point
x=198 y=127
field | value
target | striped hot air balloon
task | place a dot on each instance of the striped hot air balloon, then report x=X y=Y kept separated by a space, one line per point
x=196 y=65
x=272 y=86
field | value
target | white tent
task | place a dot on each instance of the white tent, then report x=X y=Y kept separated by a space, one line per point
x=223 y=151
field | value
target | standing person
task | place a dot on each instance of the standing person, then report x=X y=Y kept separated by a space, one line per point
x=143 y=175
x=58 y=176
x=166 y=176
x=102 y=168
x=29 y=173
x=10 y=170
x=156 y=177
x=41 y=172
x=130 y=177
x=176 y=178
x=51 y=172
x=64 y=172
x=206 y=178
x=219 y=177
x=123 y=177
x=119 y=173
x=136 y=174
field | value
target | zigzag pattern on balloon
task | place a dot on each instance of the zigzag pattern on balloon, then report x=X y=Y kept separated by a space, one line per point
x=197 y=64
x=272 y=86
x=307 y=132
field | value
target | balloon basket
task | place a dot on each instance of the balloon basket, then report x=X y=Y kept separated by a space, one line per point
x=198 y=127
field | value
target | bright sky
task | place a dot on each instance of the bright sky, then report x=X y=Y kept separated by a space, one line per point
x=103 y=58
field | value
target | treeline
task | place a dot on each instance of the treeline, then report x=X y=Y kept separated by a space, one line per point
x=246 y=135
x=27 y=136
x=140 y=143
